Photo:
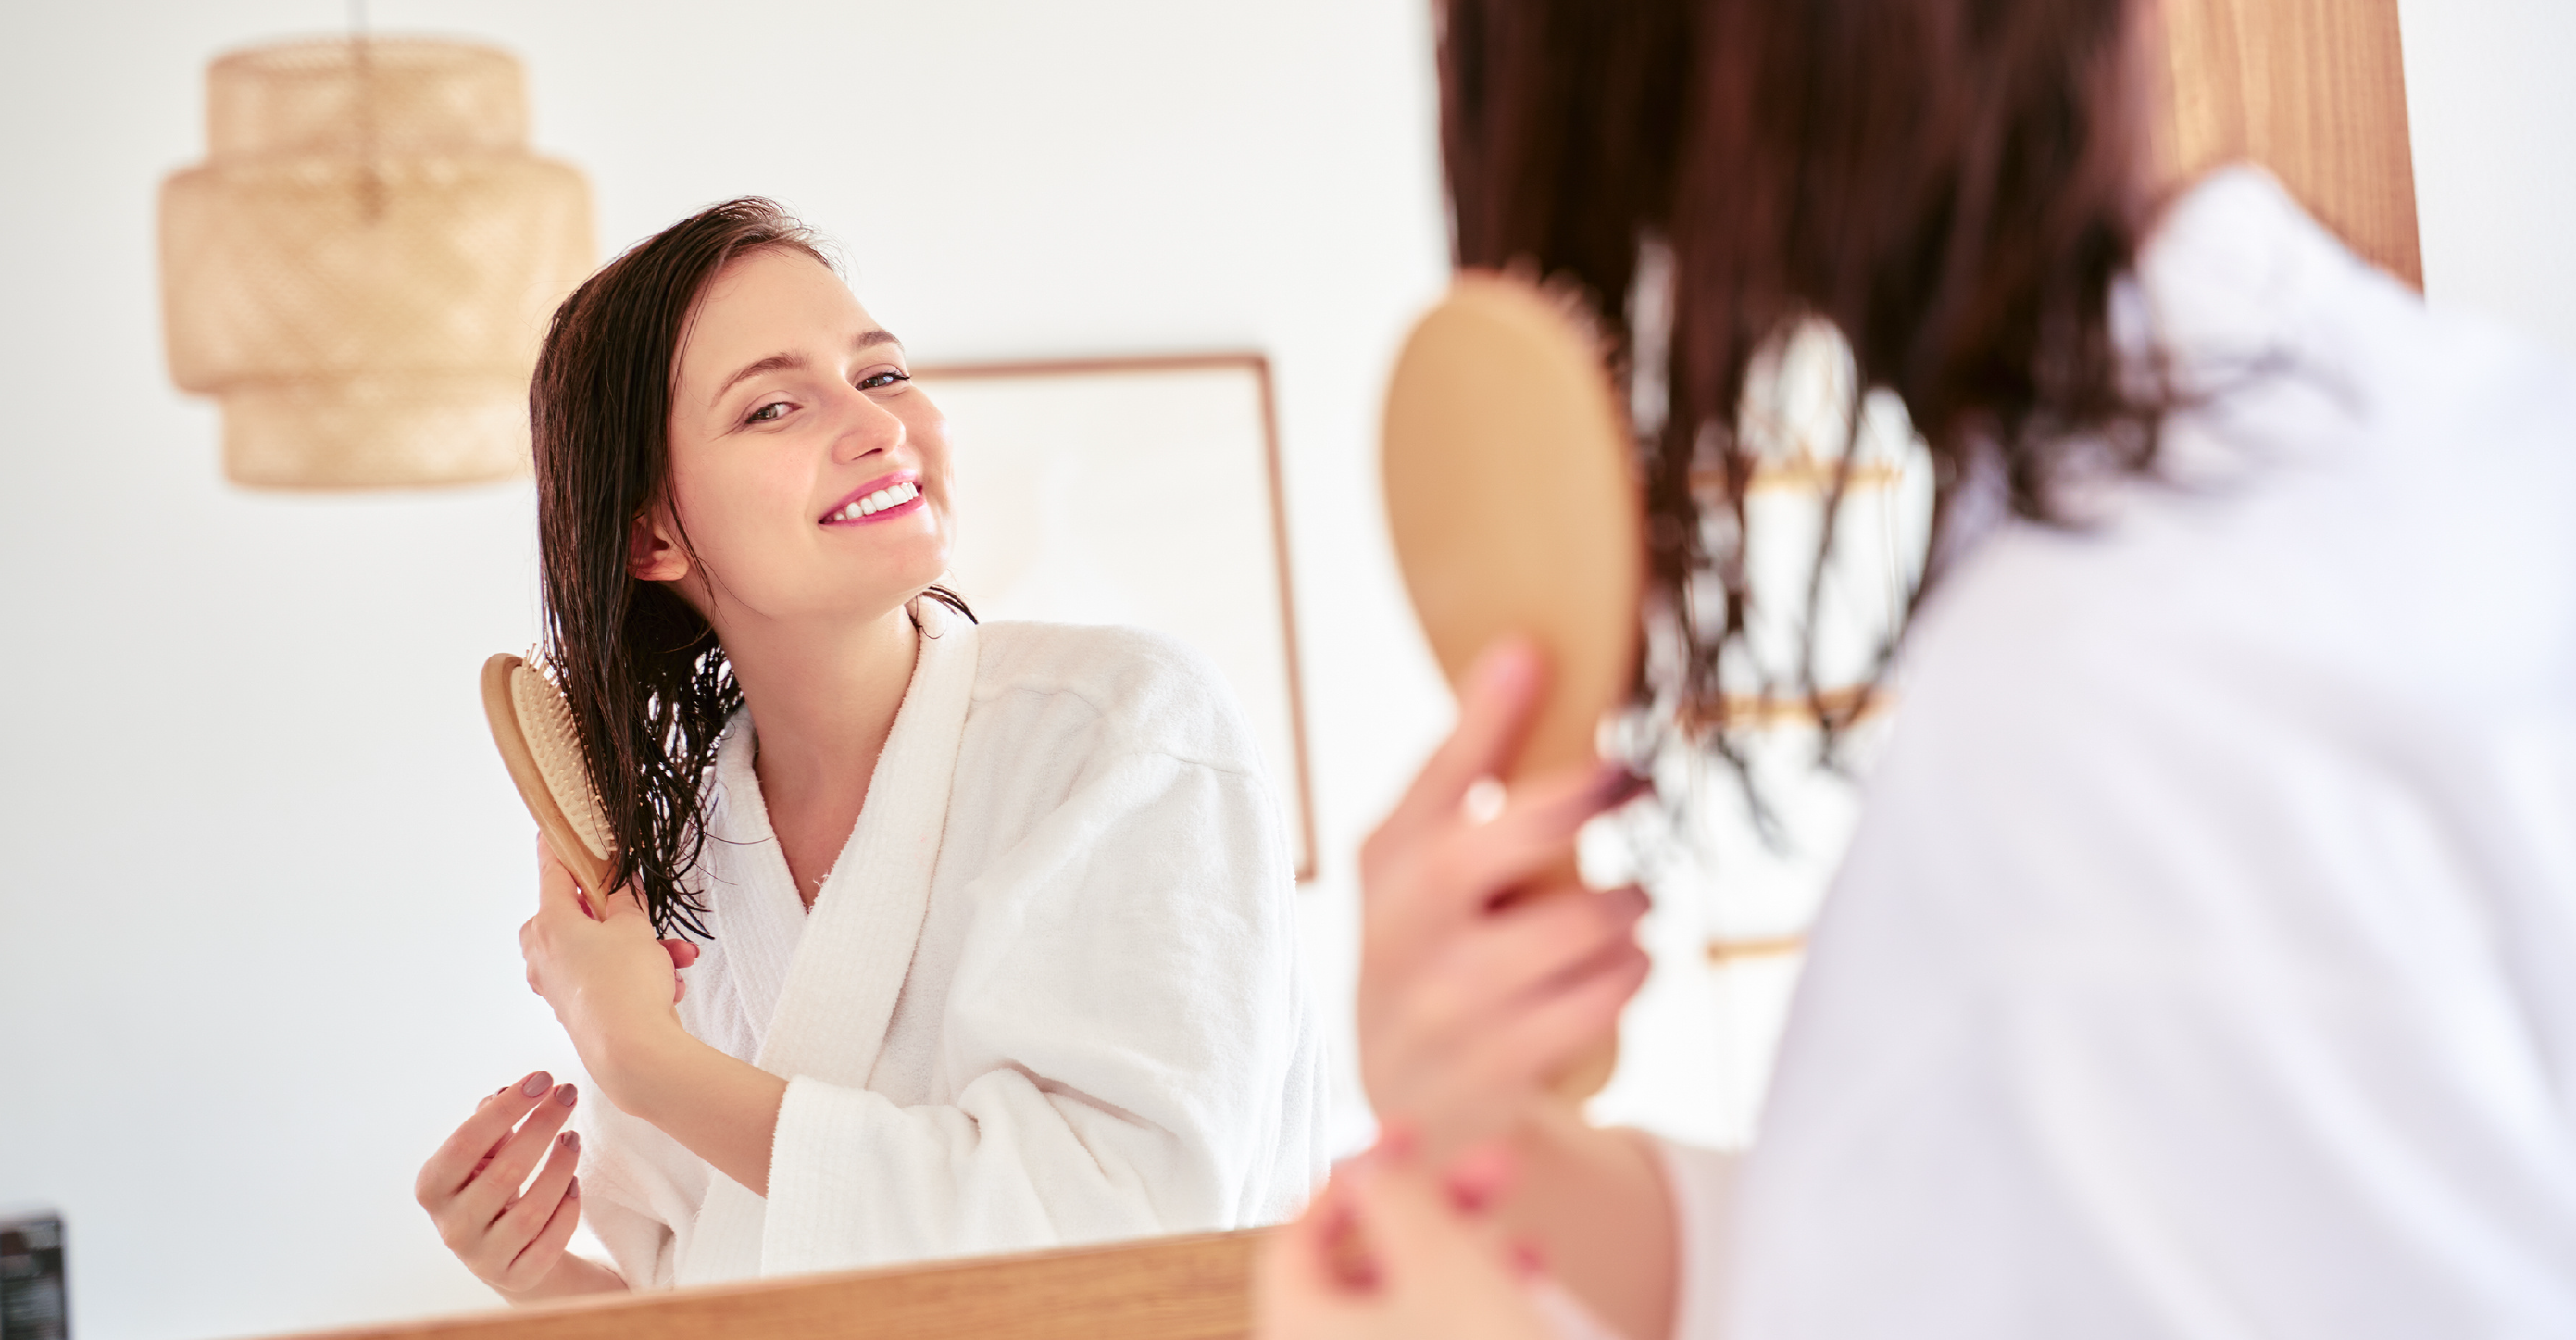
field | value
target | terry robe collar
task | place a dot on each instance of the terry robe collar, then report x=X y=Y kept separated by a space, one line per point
x=827 y=981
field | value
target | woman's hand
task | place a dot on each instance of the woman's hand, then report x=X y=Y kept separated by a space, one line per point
x=1469 y=1001
x=511 y=1237
x=1386 y=1251
x=613 y=987
x=596 y=961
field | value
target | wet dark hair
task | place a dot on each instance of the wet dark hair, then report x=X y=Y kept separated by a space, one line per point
x=649 y=685
x=1955 y=185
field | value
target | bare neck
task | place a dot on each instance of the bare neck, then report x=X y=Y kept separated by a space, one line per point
x=823 y=699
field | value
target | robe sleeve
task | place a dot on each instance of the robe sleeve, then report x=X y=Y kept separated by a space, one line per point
x=636 y=1183
x=1702 y=1185
x=1121 y=1025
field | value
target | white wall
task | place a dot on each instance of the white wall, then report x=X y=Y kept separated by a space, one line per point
x=256 y=952
x=2491 y=105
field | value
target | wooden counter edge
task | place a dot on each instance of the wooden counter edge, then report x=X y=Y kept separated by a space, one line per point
x=1196 y=1287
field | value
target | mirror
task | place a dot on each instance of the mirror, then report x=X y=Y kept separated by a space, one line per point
x=268 y=871
x=264 y=944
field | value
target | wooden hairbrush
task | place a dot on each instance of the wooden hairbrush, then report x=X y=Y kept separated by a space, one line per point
x=533 y=728
x=1515 y=511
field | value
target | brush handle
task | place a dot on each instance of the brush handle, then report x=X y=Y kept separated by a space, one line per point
x=501 y=711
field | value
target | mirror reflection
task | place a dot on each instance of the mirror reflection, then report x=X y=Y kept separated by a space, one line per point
x=980 y=934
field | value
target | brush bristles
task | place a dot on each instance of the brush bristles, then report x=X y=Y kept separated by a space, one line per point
x=546 y=720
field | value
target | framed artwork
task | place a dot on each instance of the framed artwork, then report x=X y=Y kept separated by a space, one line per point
x=1138 y=491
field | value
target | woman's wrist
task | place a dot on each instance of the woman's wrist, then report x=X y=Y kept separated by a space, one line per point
x=572 y=1276
x=1595 y=1200
x=720 y=1108
x=637 y=1068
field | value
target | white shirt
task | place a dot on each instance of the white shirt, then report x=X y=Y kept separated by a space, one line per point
x=2205 y=962
x=1048 y=994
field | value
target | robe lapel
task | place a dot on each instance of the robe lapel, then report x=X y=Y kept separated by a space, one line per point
x=758 y=918
x=836 y=988
x=858 y=942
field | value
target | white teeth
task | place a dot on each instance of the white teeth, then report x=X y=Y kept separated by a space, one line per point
x=895 y=496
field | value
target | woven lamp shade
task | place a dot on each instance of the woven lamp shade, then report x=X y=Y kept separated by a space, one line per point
x=362 y=268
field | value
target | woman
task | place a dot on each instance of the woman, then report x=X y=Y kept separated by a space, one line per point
x=2205 y=961
x=987 y=931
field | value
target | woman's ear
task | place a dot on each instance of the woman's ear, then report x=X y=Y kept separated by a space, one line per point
x=653 y=553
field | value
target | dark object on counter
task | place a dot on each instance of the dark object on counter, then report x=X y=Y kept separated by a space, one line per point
x=33 y=1302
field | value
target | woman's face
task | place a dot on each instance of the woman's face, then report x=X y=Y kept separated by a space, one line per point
x=810 y=476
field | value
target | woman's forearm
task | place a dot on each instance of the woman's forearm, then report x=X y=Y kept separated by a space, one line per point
x=1595 y=1203
x=722 y=1110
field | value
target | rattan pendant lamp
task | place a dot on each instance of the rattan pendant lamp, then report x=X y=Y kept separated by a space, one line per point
x=361 y=269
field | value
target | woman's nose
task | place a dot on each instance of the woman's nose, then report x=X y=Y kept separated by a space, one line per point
x=866 y=427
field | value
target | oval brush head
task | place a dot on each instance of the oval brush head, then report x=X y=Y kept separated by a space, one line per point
x=533 y=728
x=1515 y=510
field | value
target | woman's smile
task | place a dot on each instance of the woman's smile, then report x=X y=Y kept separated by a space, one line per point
x=877 y=500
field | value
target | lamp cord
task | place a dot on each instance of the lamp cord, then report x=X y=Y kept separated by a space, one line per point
x=371 y=182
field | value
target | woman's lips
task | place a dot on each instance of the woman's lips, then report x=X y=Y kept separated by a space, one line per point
x=890 y=499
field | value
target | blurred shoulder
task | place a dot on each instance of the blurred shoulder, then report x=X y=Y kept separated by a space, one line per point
x=1148 y=689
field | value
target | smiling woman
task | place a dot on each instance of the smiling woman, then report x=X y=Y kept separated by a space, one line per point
x=983 y=933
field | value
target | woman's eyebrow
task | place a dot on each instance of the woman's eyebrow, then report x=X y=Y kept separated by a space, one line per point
x=788 y=362
x=773 y=363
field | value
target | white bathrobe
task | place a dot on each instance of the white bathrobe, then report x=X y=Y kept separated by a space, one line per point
x=2205 y=962
x=1048 y=994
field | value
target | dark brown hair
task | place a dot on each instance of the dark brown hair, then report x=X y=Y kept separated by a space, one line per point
x=1954 y=185
x=649 y=685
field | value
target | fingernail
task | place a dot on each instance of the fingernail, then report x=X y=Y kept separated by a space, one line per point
x=535 y=1084
x=566 y=1095
x=1617 y=786
x=569 y=1139
x=572 y=1189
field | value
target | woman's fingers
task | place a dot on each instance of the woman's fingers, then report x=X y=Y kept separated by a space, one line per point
x=627 y=904
x=524 y=1219
x=537 y=1258
x=1307 y=1258
x=557 y=891
x=1436 y=1268
x=1494 y=708
x=1480 y=1177
x=483 y=1198
x=1417 y=895
x=682 y=955
x=1440 y=1051
x=464 y=1152
x=1539 y=1036
x=1523 y=950
x=1535 y=829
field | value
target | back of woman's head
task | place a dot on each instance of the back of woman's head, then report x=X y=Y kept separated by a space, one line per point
x=648 y=683
x=1954 y=184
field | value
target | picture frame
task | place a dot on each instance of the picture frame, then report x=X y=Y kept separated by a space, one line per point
x=1143 y=491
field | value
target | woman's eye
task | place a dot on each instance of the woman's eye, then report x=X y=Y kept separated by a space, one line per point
x=776 y=409
x=878 y=381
